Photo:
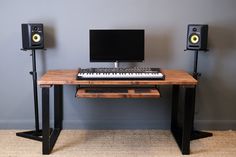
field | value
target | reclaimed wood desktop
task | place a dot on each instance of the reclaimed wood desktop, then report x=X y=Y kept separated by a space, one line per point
x=175 y=78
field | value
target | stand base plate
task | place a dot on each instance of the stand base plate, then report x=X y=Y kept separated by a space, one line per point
x=200 y=134
x=33 y=135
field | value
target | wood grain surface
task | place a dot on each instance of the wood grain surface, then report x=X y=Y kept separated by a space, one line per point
x=68 y=77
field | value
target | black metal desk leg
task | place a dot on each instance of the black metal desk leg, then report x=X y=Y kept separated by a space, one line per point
x=182 y=130
x=176 y=129
x=187 y=119
x=45 y=117
x=174 y=108
x=58 y=108
x=50 y=135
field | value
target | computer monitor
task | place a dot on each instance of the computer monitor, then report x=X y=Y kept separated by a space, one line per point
x=116 y=45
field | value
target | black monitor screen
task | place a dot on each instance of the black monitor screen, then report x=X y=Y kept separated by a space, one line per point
x=116 y=45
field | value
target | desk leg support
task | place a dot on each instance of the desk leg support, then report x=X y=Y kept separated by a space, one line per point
x=45 y=122
x=174 y=111
x=50 y=135
x=182 y=131
x=187 y=122
x=58 y=108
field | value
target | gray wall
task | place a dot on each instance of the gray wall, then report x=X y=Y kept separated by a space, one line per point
x=66 y=29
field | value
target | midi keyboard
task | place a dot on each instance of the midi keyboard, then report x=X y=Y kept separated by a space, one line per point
x=120 y=74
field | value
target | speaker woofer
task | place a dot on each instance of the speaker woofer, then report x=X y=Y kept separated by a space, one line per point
x=36 y=38
x=194 y=38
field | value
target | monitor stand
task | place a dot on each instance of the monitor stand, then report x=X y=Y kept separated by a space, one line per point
x=116 y=64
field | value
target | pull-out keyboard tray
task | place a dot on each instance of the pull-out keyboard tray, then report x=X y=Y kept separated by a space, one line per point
x=118 y=92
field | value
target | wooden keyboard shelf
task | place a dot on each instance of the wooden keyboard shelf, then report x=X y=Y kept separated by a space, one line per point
x=117 y=92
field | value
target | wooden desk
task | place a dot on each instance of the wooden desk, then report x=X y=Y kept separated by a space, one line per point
x=176 y=78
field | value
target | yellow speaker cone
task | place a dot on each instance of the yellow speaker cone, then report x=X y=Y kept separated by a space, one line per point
x=194 y=39
x=36 y=38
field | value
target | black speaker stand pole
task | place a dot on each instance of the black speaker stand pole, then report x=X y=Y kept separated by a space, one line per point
x=195 y=133
x=37 y=133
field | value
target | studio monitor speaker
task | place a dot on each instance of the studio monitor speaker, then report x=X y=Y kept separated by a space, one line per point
x=32 y=36
x=197 y=37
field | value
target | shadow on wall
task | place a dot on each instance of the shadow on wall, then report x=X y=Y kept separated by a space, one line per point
x=158 y=49
x=216 y=95
x=50 y=36
x=49 y=43
x=123 y=113
x=222 y=39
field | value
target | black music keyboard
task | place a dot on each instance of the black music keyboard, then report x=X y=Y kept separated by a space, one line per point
x=120 y=74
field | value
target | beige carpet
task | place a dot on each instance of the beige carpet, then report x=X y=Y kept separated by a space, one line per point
x=118 y=143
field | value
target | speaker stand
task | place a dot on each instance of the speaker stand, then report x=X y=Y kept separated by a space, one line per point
x=37 y=133
x=195 y=133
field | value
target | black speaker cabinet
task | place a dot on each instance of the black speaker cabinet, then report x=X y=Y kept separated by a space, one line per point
x=32 y=36
x=197 y=37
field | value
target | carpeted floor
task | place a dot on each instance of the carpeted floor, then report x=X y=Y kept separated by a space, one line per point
x=118 y=143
